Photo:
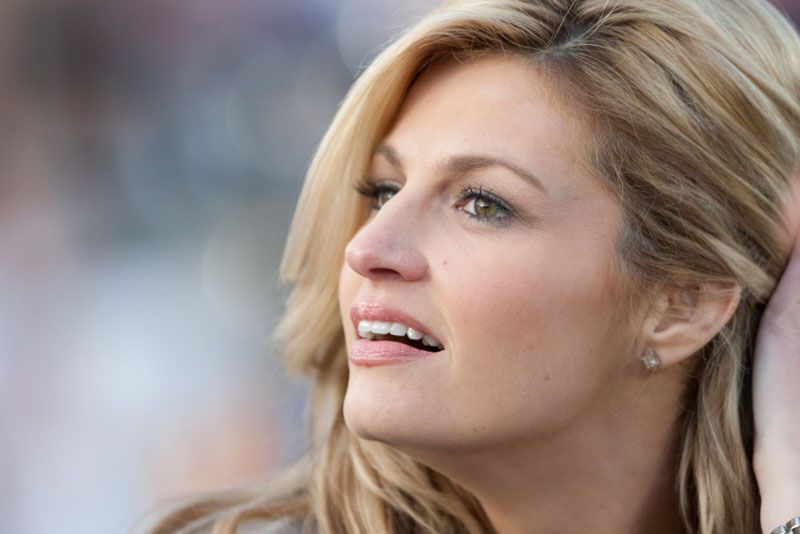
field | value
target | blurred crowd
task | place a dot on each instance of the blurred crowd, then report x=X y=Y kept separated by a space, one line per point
x=152 y=153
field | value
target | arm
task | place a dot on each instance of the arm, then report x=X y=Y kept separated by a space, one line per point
x=776 y=392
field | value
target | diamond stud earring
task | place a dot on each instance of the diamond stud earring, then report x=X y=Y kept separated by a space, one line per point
x=650 y=360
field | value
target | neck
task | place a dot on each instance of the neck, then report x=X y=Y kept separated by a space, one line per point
x=613 y=471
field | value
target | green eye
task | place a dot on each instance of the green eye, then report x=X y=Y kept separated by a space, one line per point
x=380 y=193
x=384 y=195
x=487 y=207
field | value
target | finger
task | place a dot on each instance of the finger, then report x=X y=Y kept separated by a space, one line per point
x=784 y=295
x=791 y=212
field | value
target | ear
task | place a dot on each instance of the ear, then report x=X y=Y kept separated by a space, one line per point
x=687 y=317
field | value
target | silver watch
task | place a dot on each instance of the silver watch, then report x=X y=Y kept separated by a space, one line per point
x=790 y=527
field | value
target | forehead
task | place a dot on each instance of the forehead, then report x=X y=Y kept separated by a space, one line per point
x=498 y=105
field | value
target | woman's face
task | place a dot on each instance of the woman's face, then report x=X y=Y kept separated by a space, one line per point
x=523 y=295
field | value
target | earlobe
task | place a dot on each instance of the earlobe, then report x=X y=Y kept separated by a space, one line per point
x=685 y=318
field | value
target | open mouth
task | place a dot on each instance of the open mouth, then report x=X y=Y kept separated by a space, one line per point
x=416 y=343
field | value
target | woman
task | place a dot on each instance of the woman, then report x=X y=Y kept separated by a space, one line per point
x=569 y=216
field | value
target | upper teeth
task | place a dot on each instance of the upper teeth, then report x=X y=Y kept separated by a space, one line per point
x=366 y=329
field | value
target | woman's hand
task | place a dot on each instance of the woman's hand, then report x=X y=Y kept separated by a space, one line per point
x=776 y=390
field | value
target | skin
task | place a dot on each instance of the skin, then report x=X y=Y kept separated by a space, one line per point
x=776 y=397
x=538 y=405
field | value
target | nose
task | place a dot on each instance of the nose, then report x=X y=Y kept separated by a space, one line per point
x=385 y=248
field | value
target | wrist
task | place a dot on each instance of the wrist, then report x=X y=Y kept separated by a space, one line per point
x=777 y=471
x=780 y=501
x=775 y=461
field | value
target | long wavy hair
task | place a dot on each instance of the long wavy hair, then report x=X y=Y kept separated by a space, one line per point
x=693 y=109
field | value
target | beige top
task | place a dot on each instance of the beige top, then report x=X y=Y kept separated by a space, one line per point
x=290 y=525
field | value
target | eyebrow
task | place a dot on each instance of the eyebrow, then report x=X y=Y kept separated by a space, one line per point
x=464 y=163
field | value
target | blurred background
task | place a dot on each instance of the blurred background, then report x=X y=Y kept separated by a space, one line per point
x=151 y=154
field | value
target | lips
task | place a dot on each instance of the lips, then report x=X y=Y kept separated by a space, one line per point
x=367 y=353
x=376 y=311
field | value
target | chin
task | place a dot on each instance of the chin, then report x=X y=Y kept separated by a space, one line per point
x=420 y=434
x=370 y=417
x=391 y=419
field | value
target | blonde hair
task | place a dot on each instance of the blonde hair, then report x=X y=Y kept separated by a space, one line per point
x=695 y=125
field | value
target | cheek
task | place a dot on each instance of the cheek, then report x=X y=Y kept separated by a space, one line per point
x=522 y=299
x=347 y=293
x=534 y=329
x=348 y=285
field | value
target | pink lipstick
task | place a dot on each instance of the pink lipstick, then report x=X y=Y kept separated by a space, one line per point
x=368 y=353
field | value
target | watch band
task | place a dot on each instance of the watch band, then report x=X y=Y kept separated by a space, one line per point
x=790 y=527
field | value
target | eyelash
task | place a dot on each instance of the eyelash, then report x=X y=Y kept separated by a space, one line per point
x=369 y=189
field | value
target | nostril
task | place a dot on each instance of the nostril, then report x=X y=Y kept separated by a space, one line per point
x=382 y=271
x=376 y=260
